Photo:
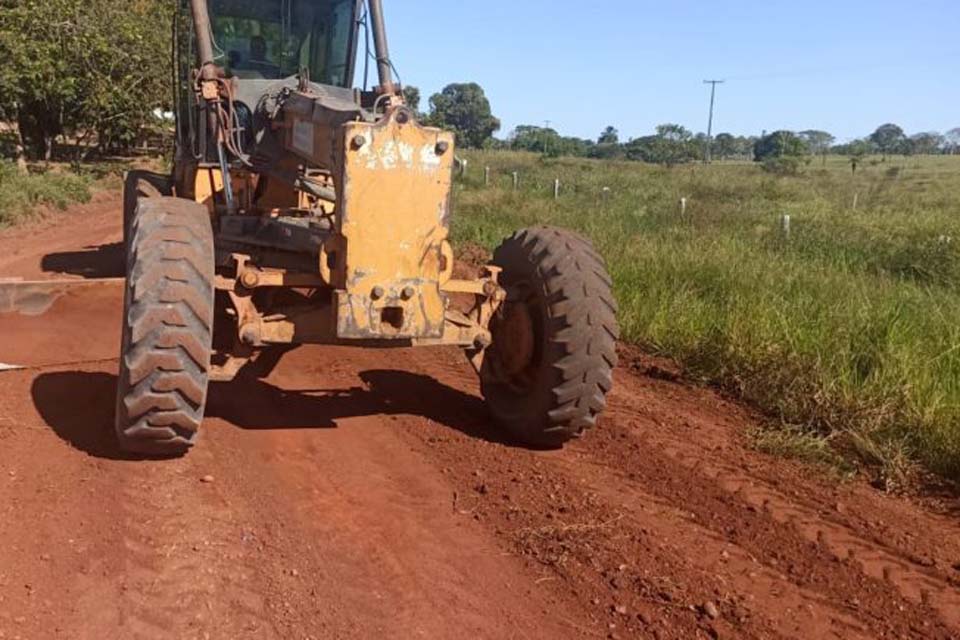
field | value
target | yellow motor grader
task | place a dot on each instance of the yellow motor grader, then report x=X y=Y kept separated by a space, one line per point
x=302 y=210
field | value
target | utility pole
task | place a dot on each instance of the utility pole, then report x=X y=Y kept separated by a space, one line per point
x=707 y=153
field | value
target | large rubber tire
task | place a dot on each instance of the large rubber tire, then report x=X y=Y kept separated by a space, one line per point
x=547 y=373
x=139 y=184
x=167 y=327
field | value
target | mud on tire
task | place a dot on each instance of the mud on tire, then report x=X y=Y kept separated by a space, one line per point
x=547 y=373
x=167 y=327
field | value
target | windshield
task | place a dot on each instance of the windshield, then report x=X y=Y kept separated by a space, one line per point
x=274 y=39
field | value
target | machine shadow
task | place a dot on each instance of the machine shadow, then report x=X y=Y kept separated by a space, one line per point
x=254 y=404
x=250 y=402
x=104 y=261
x=87 y=424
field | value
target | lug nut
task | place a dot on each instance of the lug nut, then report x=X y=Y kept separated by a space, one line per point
x=408 y=292
x=377 y=293
x=442 y=147
x=250 y=279
x=359 y=141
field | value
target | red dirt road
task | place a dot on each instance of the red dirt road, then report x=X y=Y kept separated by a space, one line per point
x=365 y=494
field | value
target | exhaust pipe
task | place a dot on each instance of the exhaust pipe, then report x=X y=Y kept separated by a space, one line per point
x=201 y=28
x=382 y=50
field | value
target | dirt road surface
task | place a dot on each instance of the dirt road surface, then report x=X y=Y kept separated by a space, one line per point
x=365 y=494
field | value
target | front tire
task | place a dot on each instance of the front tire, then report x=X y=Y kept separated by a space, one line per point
x=550 y=367
x=138 y=184
x=167 y=327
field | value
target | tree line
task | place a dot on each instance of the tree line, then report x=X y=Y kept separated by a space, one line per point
x=91 y=69
x=98 y=72
x=672 y=144
x=465 y=109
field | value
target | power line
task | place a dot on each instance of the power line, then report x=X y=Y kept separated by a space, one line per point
x=713 y=96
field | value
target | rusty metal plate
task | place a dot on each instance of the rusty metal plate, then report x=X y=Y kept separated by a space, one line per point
x=395 y=198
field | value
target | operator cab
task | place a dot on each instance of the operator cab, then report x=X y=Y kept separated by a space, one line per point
x=262 y=47
x=275 y=39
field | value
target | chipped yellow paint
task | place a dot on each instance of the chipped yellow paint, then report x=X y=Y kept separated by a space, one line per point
x=394 y=208
x=206 y=184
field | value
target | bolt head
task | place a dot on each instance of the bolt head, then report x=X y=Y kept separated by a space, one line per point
x=489 y=289
x=408 y=292
x=377 y=292
x=358 y=141
x=442 y=147
x=250 y=279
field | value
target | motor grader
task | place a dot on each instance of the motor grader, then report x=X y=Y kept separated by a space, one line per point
x=301 y=210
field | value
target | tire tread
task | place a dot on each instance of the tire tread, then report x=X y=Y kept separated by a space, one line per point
x=168 y=327
x=583 y=329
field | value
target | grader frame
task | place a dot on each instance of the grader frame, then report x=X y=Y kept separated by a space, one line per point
x=300 y=212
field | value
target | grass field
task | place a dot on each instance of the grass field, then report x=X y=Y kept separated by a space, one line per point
x=849 y=328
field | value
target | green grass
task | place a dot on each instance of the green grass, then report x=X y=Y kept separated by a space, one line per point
x=850 y=328
x=21 y=194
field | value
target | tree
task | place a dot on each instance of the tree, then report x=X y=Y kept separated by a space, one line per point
x=672 y=145
x=465 y=110
x=673 y=133
x=927 y=143
x=888 y=138
x=857 y=151
x=781 y=152
x=83 y=67
x=953 y=140
x=779 y=144
x=724 y=146
x=528 y=137
x=610 y=135
x=605 y=151
x=818 y=142
x=547 y=141
x=411 y=95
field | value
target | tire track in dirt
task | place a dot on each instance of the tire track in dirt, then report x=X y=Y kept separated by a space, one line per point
x=182 y=577
x=801 y=612
x=923 y=587
x=397 y=562
x=147 y=540
x=747 y=539
x=366 y=494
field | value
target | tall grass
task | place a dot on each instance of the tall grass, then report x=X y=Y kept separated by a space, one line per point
x=20 y=194
x=850 y=327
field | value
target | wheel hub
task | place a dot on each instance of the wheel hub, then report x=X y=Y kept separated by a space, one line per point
x=515 y=340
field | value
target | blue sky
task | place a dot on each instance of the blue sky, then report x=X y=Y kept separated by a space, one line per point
x=845 y=66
